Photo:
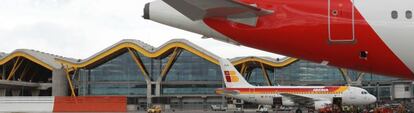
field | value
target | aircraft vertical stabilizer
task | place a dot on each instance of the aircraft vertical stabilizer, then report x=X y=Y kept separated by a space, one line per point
x=232 y=78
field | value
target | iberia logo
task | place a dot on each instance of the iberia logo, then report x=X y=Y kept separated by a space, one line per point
x=231 y=76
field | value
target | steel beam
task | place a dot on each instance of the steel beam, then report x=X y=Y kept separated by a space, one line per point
x=33 y=75
x=359 y=79
x=360 y=76
x=3 y=72
x=346 y=76
x=15 y=68
x=169 y=64
x=144 y=71
x=140 y=65
x=243 y=69
x=165 y=70
x=248 y=75
x=66 y=69
x=265 y=74
x=25 y=70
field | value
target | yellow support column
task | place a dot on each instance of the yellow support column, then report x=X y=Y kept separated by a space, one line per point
x=245 y=70
x=33 y=75
x=345 y=75
x=144 y=71
x=242 y=69
x=165 y=70
x=15 y=67
x=15 y=63
x=138 y=61
x=24 y=72
x=72 y=89
x=265 y=74
x=169 y=63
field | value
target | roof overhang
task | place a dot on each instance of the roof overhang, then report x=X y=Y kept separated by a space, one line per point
x=270 y=62
x=144 y=50
x=16 y=54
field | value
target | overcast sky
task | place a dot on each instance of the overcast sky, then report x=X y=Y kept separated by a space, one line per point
x=80 y=28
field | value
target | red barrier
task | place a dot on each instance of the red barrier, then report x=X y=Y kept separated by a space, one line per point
x=90 y=104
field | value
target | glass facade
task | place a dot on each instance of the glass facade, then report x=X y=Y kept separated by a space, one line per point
x=384 y=92
x=118 y=76
x=191 y=74
x=190 y=67
x=369 y=76
x=257 y=77
x=122 y=76
x=307 y=71
x=381 y=92
x=191 y=80
x=154 y=66
x=190 y=89
x=298 y=71
x=375 y=77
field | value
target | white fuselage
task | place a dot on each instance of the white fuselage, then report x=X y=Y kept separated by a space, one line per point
x=350 y=96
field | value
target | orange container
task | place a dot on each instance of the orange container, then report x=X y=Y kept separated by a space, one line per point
x=90 y=104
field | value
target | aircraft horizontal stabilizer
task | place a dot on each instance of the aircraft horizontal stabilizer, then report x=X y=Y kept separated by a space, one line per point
x=200 y=9
x=222 y=91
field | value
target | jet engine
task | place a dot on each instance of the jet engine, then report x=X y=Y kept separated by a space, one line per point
x=279 y=101
x=161 y=12
x=321 y=104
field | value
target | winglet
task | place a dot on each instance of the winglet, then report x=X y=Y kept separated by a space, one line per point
x=232 y=78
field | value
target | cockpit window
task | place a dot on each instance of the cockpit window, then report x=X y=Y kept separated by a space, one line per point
x=364 y=92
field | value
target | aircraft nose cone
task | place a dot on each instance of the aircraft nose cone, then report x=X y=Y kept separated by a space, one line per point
x=373 y=99
x=146 y=11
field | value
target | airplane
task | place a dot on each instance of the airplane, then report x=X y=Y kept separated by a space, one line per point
x=318 y=96
x=374 y=36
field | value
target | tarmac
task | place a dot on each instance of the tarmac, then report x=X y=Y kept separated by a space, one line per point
x=200 y=111
x=221 y=112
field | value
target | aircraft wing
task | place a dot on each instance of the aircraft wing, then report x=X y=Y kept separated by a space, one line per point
x=222 y=91
x=299 y=99
x=199 y=9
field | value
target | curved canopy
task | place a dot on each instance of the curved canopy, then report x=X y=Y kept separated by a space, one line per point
x=51 y=61
x=144 y=49
x=265 y=60
x=44 y=59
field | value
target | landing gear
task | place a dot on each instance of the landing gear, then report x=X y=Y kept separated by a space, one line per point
x=298 y=110
x=337 y=105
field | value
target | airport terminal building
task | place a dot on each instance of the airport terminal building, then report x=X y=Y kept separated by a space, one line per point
x=178 y=73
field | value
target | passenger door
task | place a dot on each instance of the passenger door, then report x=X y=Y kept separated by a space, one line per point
x=341 y=24
x=252 y=95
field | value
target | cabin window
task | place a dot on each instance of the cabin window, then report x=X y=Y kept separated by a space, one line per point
x=363 y=54
x=409 y=14
x=394 y=14
x=335 y=12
